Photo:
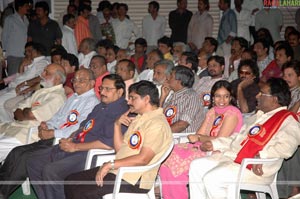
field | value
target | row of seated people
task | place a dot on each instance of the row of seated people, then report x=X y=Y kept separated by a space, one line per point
x=43 y=162
x=187 y=122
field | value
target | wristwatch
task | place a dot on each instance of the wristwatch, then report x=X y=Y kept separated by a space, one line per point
x=112 y=164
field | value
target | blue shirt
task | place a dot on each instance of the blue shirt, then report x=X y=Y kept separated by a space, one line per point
x=100 y=122
x=228 y=26
x=14 y=35
x=76 y=104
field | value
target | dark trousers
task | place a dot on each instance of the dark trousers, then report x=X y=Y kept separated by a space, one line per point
x=82 y=185
x=13 y=171
x=48 y=169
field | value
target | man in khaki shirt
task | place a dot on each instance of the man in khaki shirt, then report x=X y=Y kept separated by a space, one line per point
x=146 y=140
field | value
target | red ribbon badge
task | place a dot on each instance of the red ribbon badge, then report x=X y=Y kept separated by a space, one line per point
x=218 y=121
x=135 y=140
x=170 y=113
x=87 y=127
x=71 y=120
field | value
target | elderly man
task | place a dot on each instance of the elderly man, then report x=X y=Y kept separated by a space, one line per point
x=182 y=108
x=209 y=176
x=161 y=72
x=18 y=83
x=41 y=106
x=59 y=161
x=146 y=140
x=61 y=125
x=153 y=56
x=86 y=52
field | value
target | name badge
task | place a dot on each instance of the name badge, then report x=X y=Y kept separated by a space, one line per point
x=135 y=140
x=206 y=99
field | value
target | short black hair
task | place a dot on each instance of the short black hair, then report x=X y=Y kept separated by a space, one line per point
x=72 y=59
x=20 y=3
x=104 y=43
x=122 y=5
x=67 y=17
x=155 y=4
x=242 y=41
x=280 y=89
x=252 y=65
x=264 y=42
x=295 y=65
x=103 y=5
x=40 y=48
x=184 y=75
x=118 y=82
x=191 y=58
x=140 y=41
x=130 y=64
x=144 y=88
x=83 y=7
x=294 y=32
x=44 y=5
x=166 y=40
x=289 y=52
x=213 y=42
x=218 y=59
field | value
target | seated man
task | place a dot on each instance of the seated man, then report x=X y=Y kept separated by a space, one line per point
x=210 y=176
x=183 y=107
x=61 y=125
x=161 y=72
x=126 y=69
x=19 y=82
x=41 y=106
x=99 y=68
x=95 y=132
x=147 y=139
x=245 y=88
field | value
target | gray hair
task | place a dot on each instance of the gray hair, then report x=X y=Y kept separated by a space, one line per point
x=90 y=73
x=61 y=75
x=183 y=45
x=91 y=43
x=167 y=63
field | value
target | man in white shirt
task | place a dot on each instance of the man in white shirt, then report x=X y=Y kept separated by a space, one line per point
x=68 y=39
x=19 y=83
x=153 y=25
x=242 y=16
x=124 y=28
x=87 y=51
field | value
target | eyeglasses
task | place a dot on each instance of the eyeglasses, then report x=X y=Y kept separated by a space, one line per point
x=107 y=89
x=265 y=94
x=93 y=66
x=74 y=80
x=245 y=73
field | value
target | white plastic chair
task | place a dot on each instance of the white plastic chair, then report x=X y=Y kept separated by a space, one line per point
x=181 y=137
x=259 y=189
x=122 y=170
x=99 y=161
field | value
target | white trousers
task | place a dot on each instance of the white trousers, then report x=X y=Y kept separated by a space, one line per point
x=5 y=95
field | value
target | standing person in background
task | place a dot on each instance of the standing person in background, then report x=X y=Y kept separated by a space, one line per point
x=13 y=43
x=243 y=22
x=82 y=27
x=124 y=27
x=271 y=19
x=200 y=26
x=253 y=6
x=68 y=39
x=154 y=26
x=44 y=30
x=179 y=20
x=227 y=28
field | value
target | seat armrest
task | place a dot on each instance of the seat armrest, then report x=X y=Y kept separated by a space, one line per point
x=96 y=152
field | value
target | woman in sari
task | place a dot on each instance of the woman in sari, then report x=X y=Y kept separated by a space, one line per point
x=221 y=120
